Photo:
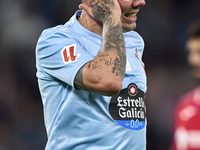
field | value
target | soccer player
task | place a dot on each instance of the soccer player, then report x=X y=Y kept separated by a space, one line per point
x=187 y=113
x=92 y=79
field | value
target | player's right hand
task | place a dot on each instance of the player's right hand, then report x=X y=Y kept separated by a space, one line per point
x=101 y=10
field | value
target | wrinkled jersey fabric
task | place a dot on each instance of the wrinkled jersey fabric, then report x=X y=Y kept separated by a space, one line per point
x=81 y=120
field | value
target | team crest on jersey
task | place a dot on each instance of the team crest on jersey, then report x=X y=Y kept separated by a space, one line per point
x=128 y=108
x=69 y=54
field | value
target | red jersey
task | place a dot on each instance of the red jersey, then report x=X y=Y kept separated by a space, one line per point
x=187 y=122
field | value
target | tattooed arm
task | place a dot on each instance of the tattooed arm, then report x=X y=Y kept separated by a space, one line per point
x=104 y=75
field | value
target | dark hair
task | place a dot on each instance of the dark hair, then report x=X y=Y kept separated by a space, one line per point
x=193 y=30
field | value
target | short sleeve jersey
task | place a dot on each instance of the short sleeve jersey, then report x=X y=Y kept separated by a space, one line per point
x=81 y=120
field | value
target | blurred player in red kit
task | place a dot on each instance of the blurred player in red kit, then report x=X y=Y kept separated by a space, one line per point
x=187 y=113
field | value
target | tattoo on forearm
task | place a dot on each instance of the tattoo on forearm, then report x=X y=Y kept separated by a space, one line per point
x=103 y=55
x=107 y=62
x=94 y=65
x=115 y=40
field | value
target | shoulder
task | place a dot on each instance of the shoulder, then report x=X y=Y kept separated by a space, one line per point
x=134 y=38
x=187 y=96
x=56 y=32
x=60 y=35
x=133 y=34
x=185 y=100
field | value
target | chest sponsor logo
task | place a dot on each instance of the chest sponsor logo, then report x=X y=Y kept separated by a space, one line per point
x=69 y=54
x=128 y=108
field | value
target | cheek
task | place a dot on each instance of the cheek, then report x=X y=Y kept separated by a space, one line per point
x=194 y=58
x=125 y=4
x=124 y=1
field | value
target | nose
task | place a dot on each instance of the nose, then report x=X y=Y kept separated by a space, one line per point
x=138 y=3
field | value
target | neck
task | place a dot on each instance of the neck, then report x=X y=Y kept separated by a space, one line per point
x=90 y=24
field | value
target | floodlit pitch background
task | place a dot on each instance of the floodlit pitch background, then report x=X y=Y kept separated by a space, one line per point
x=162 y=24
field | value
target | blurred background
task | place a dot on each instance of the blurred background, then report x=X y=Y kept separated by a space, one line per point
x=162 y=24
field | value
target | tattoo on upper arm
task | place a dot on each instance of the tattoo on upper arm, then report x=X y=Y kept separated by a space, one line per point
x=79 y=80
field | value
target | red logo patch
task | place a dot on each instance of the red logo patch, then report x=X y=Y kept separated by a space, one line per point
x=69 y=54
x=132 y=89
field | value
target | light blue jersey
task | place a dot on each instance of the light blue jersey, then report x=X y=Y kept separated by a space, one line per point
x=81 y=120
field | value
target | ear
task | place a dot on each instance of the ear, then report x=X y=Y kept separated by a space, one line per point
x=86 y=7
